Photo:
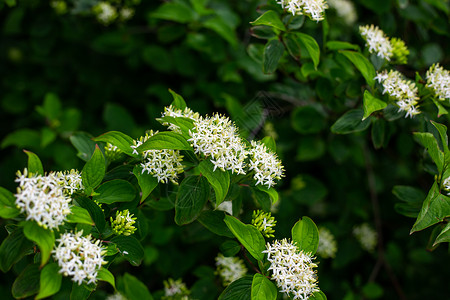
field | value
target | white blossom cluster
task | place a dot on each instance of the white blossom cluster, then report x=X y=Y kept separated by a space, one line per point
x=79 y=257
x=327 y=243
x=292 y=270
x=174 y=112
x=403 y=91
x=217 y=137
x=175 y=289
x=446 y=185
x=438 y=79
x=265 y=163
x=345 y=9
x=230 y=268
x=314 y=9
x=366 y=236
x=377 y=41
x=163 y=164
x=116 y=296
x=70 y=181
x=106 y=13
x=45 y=199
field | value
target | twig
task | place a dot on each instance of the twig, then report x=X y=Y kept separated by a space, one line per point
x=249 y=261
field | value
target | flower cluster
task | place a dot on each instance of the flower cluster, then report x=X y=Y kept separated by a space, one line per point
x=230 y=268
x=366 y=236
x=163 y=164
x=170 y=111
x=377 y=41
x=327 y=243
x=345 y=10
x=265 y=163
x=79 y=257
x=446 y=185
x=403 y=91
x=264 y=222
x=70 y=181
x=116 y=296
x=44 y=199
x=438 y=79
x=123 y=223
x=217 y=137
x=292 y=270
x=112 y=152
x=314 y=9
x=175 y=290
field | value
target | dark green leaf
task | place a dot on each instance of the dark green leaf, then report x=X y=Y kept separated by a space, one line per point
x=427 y=140
x=50 y=281
x=44 y=238
x=83 y=142
x=219 y=180
x=338 y=45
x=306 y=119
x=13 y=248
x=371 y=104
x=273 y=194
x=27 y=283
x=311 y=46
x=318 y=296
x=230 y=248
x=116 y=190
x=22 y=138
x=191 y=198
x=306 y=235
x=240 y=289
x=165 y=140
x=273 y=51
x=412 y=198
x=8 y=208
x=118 y=139
x=79 y=215
x=146 y=182
x=362 y=64
x=269 y=142
x=105 y=275
x=263 y=288
x=213 y=220
x=135 y=289
x=270 y=18
x=94 y=170
x=178 y=101
x=51 y=108
x=34 y=163
x=378 y=133
x=442 y=129
x=444 y=236
x=248 y=236
x=130 y=248
x=80 y=292
x=94 y=210
x=221 y=27
x=350 y=122
x=174 y=11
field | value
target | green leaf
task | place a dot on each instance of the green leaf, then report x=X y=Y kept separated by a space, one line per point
x=362 y=64
x=412 y=198
x=230 y=248
x=94 y=210
x=79 y=215
x=427 y=140
x=116 y=190
x=273 y=51
x=273 y=194
x=371 y=104
x=178 y=101
x=13 y=248
x=248 y=236
x=83 y=142
x=94 y=170
x=27 y=283
x=50 y=281
x=238 y=290
x=214 y=222
x=435 y=208
x=306 y=235
x=219 y=180
x=44 y=238
x=350 y=122
x=80 y=292
x=444 y=236
x=318 y=296
x=135 y=289
x=442 y=129
x=22 y=138
x=8 y=208
x=221 y=27
x=105 y=275
x=174 y=11
x=118 y=139
x=184 y=124
x=263 y=288
x=269 y=142
x=378 y=133
x=338 y=45
x=165 y=140
x=440 y=107
x=51 y=108
x=146 y=182
x=34 y=163
x=130 y=248
x=270 y=18
x=191 y=198
x=311 y=46
x=306 y=120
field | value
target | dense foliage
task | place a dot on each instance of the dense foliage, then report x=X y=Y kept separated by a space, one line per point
x=357 y=115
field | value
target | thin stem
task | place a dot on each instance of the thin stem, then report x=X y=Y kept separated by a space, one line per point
x=249 y=261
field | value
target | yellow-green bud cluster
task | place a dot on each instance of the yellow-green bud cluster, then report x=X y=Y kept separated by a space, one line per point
x=112 y=153
x=399 y=51
x=123 y=223
x=175 y=290
x=264 y=222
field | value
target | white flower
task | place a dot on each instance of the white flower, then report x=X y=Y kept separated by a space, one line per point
x=403 y=91
x=377 y=41
x=446 y=185
x=79 y=257
x=71 y=181
x=217 y=137
x=106 y=13
x=43 y=198
x=265 y=163
x=438 y=79
x=116 y=296
x=366 y=236
x=174 y=112
x=175 y=289
x=292 y=269
x=327 y=243
x=230 y=268
x=345 y=9
x=226 y=206
x=126 y=13
x=163 y=164
x=315 y=9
